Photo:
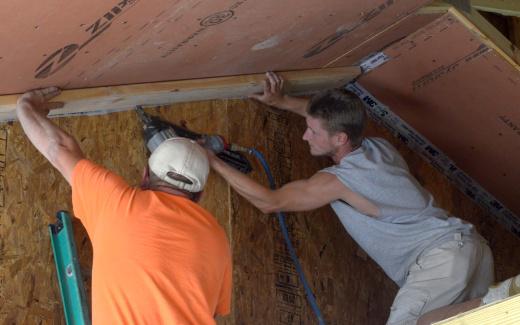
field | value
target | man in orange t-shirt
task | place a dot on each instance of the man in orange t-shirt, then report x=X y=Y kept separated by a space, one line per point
x=159 y=258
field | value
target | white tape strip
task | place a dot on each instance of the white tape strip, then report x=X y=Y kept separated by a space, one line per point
x=437 y=158
x=373 y=61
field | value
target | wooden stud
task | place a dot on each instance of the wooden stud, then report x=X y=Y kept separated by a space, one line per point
x=436 y=7
x=502 y=7
x=504 y=312
x=489 y=35
x=119 y=98
x=479 y=25
x=514 y=30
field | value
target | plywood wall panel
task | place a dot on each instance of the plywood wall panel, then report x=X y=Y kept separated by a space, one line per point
x=265 y=285
x=33 y=191
x=78 y=44
x=462 y=96
x=349 y=287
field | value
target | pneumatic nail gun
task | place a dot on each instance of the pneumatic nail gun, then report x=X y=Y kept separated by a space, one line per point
x=155 y=131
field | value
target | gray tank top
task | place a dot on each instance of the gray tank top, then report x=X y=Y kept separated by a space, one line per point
x=409 y=222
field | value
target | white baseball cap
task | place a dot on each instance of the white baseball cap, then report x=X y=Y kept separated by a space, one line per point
x=182 y=163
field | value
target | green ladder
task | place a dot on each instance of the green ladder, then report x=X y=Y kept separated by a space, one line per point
x=67 y=267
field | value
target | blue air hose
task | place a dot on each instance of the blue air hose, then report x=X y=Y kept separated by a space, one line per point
x=281 y=218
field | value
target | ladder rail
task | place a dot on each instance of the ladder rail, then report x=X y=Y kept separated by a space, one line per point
x=67 y=267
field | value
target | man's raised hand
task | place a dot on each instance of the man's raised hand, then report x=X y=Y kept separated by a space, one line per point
x=38 y=100
x=273 y=90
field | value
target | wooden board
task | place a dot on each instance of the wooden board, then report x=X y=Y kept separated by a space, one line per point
x=503 y=312
x=503 y=7
x=102 y=100
x=78 y=44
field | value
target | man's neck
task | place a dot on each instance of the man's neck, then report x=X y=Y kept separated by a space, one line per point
x=169 y=190
x=342 y=152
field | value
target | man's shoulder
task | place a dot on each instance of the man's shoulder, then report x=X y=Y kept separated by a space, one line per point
x=375 y=146
x=88 y=173
x=372 y=150
x=370 y=141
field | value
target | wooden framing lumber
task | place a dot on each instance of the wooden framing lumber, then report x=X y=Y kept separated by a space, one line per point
x=489 y=35
x=436 y=7
x=504 y=312
x=101 y=100
x=482 y=28
x=502 y=7
x=514 y=30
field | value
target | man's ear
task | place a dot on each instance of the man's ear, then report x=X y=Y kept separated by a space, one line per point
x=145 y=178
x=341 y=138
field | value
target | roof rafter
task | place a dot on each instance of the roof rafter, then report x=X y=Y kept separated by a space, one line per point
x=481 y=27
x=503 y=7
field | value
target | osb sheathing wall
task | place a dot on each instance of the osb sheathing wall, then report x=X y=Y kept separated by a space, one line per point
x=461 y=95
x=349 y=287
x=78 y=44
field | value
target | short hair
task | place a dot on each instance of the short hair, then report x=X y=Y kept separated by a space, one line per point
x=155 y=181
x=342 y=111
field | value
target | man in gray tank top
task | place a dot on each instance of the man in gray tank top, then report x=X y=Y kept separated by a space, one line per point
x=436 y=259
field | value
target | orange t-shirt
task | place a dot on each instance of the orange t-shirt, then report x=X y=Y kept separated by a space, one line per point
x=158 y=258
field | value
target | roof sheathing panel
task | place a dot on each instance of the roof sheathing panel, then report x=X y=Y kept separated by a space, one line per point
x=461 y=95
x=380 y=41
x=78 y=44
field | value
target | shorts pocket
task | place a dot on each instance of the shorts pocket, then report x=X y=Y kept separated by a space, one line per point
x=408 y=306
x=437 y=264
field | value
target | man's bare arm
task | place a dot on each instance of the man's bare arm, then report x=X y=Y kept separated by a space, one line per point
x=302 y=195
x=273 y=95
x=62 y=150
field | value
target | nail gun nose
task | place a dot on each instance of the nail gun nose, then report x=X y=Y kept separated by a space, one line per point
x=142 y=115
x=155 y=131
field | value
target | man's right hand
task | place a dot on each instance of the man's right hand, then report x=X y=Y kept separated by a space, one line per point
x=273 y=95
x=273 y=90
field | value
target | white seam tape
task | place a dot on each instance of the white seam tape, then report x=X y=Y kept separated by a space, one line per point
x=373 y=61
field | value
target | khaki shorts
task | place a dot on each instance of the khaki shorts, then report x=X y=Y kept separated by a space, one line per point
x=456 y=271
